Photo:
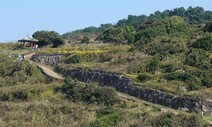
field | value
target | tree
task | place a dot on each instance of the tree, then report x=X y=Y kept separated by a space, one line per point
x=58 y=41
x=208 y=27
x=204 y=43
x=85 y=40
x=179 y=11
x=48 y=37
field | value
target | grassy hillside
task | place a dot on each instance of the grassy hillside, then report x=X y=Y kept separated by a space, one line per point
x=169 y=51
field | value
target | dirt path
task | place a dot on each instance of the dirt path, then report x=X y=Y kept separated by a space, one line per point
x=49 y=72
x=46 y=70
x=160 y=107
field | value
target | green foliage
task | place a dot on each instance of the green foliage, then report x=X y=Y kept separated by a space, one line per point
x=170 y=68
x=170 y=120
x=107 y=117
x=153 y=64
x=88 y=93
x=174 y=26
x=196 y=15
x=20 y=94
x=118 y=35
x=106 y=57
x=192 y=81
x=208 y=27
x=196 y=58
x=13 y=72
x=89 y=32
x=82 y=57
x=192 y=15
x=144 y=77
x=58 y=41
x=48 y=37
x=204 y=43
x=164 y=48
x=85 y=40
x=176 y=76
x=73 y=59
x=205 y=77
x=132 y=20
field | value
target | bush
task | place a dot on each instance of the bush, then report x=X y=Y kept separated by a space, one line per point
x=73 y=59
x=172 y=120
x=181 y=76
x=20 y=94
x=204 y=43
x=144 y=77
x=153 y=64
x=107 y=117
x=205 y=76
x=85 y=40
x=88 y=93
x=196 y=57
x=106 y=57
x=193 y=82
x=170 y=68
x=161 y=48
x=208 y=27
x=13 y=72
x=118 y=35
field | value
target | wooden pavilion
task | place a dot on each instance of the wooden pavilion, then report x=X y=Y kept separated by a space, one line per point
x=28 y=42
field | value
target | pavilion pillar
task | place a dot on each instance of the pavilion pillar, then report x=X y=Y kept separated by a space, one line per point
x=24 y=43
x=32 y=44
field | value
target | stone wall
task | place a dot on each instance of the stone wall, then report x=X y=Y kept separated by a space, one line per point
x=52 y=59
x=123 y=84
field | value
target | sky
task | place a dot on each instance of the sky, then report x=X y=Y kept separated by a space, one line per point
x=19 y=18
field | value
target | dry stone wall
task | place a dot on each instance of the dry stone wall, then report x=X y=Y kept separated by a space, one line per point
x=125 y=85
x=52 y=59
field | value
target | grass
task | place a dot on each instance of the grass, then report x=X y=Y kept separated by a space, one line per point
x=38 y=104
x=48 y=109
x=119 y=58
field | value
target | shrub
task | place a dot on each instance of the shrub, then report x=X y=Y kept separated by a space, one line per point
x=73 y=59
x=161 y=48
x=170 y=68
x=88 y=93
x=85 y=40
x=19 y=95
x=205 y=76
x=118 y=35
x=193 y=82
x=153 y=64
x=107 y=117
x=144 y=77
x=13 y=72
x=172 y=120
x=181 y=76
x=204 y=43
x=106 y=57
x=196 y=57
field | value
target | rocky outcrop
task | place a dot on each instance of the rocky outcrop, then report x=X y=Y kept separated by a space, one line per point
x=125 y=85
x=52 y=59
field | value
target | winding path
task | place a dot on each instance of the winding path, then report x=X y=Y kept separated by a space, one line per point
x=49 y=72
x=46 y=70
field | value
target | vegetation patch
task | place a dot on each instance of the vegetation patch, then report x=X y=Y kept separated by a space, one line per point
x=88 y=93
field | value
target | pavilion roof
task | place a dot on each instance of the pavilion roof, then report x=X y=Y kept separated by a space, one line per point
x=28 y=39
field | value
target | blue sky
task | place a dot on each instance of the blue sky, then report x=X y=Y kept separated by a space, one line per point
x=22 y=17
